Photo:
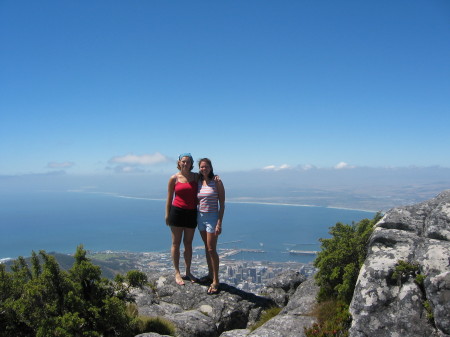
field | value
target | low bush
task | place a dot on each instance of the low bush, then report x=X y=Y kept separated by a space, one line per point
x=266 y=315
x=41 y=299
x=333 y=319
x=156 y=324
x=338 y=263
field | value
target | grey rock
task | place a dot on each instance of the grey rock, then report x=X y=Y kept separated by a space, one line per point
x=293 y=318
x=281 y=287
x=163 y=309
x=303 y=301
x=151 y=334
x=193 y=323
x=230 y=309
x=236 y=333
x=382 y=306
x=439 y=286
x=144 y=296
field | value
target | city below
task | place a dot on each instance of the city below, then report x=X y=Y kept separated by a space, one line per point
x=243 y=274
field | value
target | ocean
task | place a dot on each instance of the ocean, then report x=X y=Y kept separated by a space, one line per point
x=60 y=221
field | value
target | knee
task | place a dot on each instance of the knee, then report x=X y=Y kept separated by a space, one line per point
x=211 y=249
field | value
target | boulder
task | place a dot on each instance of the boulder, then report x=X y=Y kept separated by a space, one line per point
x=194 y=312
x=193 y=323
x=281 y=287
x=293 y=318
x=236 y=333
x=384 y=306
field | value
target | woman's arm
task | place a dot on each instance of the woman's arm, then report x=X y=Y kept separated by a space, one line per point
x=170 y=190
x=221 y=192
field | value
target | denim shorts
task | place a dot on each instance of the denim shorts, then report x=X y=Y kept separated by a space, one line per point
x=207 y=221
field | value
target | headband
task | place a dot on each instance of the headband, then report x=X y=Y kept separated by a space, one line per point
x=185 y=155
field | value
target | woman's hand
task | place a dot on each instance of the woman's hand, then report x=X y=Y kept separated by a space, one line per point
x=218 y=227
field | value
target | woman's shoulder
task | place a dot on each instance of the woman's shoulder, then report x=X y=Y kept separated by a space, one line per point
x=219 y=183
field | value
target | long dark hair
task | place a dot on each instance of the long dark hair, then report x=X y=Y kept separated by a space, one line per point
x=208 y=161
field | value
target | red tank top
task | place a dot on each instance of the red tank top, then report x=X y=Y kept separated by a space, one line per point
x=185 y=195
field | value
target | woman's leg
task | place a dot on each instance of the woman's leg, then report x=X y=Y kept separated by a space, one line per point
x=208 y=257
x=187 y=241
x=177 y=234
x=214 y=257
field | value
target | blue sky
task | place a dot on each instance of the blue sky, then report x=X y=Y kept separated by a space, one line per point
x=93 y=87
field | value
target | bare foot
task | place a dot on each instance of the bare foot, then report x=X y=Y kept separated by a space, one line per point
x=179 y=280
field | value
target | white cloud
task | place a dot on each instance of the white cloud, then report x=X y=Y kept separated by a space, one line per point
x=54 y=165
x=307 y=167
x=276 y=168
x=144 y=160
x=270 y=167
x=343 y=165
x=126 y=169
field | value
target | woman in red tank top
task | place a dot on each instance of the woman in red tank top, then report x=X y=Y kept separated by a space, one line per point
x=181 y=214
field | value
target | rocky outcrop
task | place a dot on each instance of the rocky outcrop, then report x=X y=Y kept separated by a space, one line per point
x=232 y=311
x=415 y=302
x=384 y=306
x=294 y=316
x=194 y=312
x=282 y=287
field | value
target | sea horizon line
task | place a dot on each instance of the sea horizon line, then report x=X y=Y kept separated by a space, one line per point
x=232 y=201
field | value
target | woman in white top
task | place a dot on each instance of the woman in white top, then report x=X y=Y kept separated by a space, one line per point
x=211 y=207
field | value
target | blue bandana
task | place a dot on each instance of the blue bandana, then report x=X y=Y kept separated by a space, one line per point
x=186 y=155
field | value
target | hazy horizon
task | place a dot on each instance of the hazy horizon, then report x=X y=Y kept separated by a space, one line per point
x=375 y=189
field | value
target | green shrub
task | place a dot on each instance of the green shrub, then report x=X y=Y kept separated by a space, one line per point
x=44 y=300
x=339 y=262
x=403 y=270
x=333 y=319
x=341 y=258
x=266 y=315
x=156 y=324
x=420 y=278
x=429 y=310
x=136 y=279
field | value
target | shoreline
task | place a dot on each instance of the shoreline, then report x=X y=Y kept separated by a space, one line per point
x=226 y=254
x=253 y=202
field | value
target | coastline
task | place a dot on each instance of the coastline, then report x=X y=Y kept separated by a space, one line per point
x=101 y=221
x=253 y=201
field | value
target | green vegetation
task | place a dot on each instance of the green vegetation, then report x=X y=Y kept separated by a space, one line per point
x=41 y=299
x=157 y=324
x=333 y=319
x=403 y=270
x=339 y=263
x=429 y=310
x=266 y=315
x=420 y=278
x=341 y=259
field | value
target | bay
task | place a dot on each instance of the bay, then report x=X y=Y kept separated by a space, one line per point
x=60 y=221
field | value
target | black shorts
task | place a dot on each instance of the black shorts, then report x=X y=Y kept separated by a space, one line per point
x=180 y=217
